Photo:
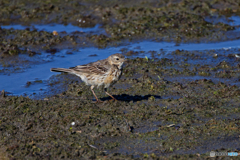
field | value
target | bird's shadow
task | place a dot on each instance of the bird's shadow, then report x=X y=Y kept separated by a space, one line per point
x=128 y=98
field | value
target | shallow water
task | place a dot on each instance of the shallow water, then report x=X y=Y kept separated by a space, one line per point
x=169 y=46
x=15 y=83
x=233 y=20
x=55 y=27
x=61 y=59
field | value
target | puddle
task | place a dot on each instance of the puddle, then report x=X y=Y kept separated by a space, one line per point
x=232 y=21
x=56 y=27
x=42 y=72
x=15 y=83
x=169 y=46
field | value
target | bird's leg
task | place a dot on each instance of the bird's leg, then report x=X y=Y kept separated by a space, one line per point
x=105 y=89
x=95 y=94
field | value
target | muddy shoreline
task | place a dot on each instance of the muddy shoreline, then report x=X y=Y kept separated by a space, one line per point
x=155 y=116
x=178 y=104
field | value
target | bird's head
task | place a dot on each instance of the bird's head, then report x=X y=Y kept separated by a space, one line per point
x=116 y=59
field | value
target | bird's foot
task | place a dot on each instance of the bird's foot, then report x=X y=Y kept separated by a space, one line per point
x=113 y=99
x=99 y=101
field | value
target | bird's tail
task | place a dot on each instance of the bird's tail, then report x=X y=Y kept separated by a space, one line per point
x=61 y=70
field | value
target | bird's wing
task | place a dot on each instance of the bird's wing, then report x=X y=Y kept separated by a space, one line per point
x=91 y=69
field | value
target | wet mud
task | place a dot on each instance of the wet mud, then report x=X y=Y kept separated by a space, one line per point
x=172 y=104
x=156 y=114
x=180 y=21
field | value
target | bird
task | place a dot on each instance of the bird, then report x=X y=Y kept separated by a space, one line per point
x=103 y=73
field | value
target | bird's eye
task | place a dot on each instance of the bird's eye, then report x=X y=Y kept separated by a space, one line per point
x=117 y=59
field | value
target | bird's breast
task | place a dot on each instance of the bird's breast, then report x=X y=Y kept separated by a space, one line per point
x=113 y=76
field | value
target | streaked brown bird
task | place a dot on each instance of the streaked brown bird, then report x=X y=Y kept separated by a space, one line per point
x=104 y=72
